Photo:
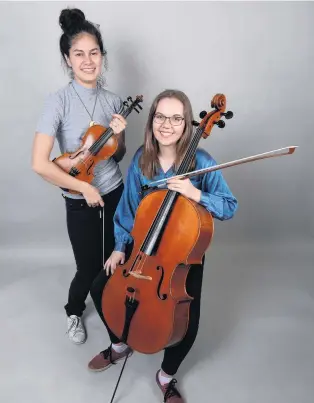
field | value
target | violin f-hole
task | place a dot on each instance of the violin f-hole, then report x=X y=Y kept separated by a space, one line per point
x=75 y=154
x=89 y=168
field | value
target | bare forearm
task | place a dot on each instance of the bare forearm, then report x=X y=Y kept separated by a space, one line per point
x=55 y=175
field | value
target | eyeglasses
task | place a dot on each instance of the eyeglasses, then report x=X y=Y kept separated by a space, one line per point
x=175 y=120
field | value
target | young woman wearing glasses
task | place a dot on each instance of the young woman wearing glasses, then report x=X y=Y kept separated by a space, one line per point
x=167 y=137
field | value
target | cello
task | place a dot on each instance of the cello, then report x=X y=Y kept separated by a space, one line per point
x=145 y=302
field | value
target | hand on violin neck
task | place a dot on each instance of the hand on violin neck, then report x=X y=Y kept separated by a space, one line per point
x=185 y=187
x=118 y=124
x=111 y=263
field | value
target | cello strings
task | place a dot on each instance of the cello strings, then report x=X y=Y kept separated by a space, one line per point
x=184 y=165
x=188 y=157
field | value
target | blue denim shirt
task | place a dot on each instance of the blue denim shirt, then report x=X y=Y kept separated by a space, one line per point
x=216 y=196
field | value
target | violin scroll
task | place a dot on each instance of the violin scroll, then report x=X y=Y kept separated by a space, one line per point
x=134 y=104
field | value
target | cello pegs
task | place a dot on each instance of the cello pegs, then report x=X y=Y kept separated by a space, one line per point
x=130 y=99
x=195 y=123
x=228 y=115
x=220 y=124
x=125 y=103
x=203 y=114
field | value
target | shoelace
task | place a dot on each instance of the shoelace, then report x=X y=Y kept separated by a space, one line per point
x=75 y=324
x=171 y=390
x=108 y=354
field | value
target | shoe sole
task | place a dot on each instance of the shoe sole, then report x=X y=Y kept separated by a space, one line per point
x=78 y=342
x=110 y=365
x=157 y=380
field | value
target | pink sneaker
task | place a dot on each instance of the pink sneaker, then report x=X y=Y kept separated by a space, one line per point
x=170 y=392
x=106 y=358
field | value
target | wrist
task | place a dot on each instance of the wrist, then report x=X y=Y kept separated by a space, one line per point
x=120 y=247
x=197 y=195
x=83 y=186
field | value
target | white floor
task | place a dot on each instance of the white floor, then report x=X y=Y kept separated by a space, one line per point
x=255 y=344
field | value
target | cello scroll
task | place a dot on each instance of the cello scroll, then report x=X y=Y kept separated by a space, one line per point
x=209 y=119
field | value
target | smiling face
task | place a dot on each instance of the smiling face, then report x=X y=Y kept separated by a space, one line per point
x=85 y=59
x=168 y=132
x=163 y=139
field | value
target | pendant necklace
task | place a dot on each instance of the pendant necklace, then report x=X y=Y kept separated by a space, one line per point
x=92 y=123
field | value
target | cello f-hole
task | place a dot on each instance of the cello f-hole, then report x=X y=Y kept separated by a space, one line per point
x=124 y=273
x=163 y=296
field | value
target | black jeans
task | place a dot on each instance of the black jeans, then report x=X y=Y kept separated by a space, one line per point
x=173 y=356
x=92 y=237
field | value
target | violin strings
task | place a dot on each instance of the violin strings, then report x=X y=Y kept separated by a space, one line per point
x=102 y=139
x=106 y=135
x=94 y=147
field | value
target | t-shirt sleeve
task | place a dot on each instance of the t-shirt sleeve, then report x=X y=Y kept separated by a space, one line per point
x=117 y=105
x=51 y=116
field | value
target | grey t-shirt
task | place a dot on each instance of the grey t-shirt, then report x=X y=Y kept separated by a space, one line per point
x=65 y=117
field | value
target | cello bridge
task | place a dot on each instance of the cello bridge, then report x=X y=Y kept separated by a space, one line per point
x=140 y=276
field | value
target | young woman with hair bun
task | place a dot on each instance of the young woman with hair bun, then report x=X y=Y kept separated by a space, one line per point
x=66 y=116
x=168 y=134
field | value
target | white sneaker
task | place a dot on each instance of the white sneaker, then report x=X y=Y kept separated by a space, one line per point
x=76 y=330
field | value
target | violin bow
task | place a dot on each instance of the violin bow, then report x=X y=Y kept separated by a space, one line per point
x=269 y=154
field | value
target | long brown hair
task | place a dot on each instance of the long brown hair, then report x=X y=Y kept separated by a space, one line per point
x=149 y=162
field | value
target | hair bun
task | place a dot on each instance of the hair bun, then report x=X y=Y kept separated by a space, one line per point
x=71 y=19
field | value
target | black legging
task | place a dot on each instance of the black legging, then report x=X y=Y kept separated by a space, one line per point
x=173 y=356
x=90 y=246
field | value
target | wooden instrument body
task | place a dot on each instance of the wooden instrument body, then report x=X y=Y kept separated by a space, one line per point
x=158 y=321
x=145 y=303
x=82 y=162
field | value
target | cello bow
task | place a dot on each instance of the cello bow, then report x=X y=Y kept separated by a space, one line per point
x=269 y=154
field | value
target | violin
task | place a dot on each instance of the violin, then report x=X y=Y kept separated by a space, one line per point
x=145 y=302
x=98 y=144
